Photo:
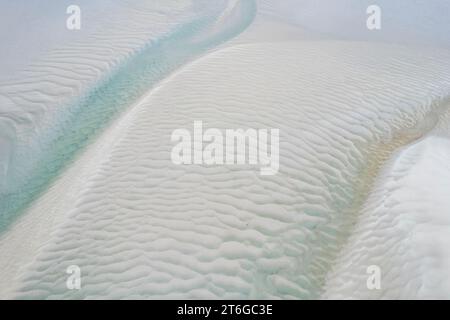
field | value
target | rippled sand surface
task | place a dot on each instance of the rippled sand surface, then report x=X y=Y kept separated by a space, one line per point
x=363 y=177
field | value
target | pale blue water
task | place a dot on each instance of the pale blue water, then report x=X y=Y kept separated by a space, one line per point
x=98 y=107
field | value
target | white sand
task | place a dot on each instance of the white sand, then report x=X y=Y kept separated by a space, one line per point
x=36 y=98
x=140 y=227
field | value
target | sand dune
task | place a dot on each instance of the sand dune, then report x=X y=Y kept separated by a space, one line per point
x=55 y=113
x=403 y=226
x=37 y=101
x=363 y=177
x=145 y=228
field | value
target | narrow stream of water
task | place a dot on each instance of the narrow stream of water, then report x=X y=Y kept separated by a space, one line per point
x=98 y=107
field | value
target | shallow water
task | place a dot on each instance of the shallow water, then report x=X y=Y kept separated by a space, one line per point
x=98 y=107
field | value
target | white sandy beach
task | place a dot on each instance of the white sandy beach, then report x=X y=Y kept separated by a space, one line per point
x=364 y=158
